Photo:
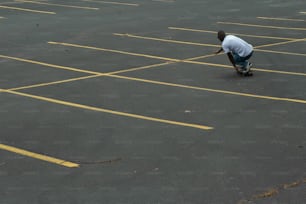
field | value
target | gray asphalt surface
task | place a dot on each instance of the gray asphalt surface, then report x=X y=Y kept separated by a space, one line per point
x=255 y=152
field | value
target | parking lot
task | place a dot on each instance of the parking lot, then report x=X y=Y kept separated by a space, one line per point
x=126 y=102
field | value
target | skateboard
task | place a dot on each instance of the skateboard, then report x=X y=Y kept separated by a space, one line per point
x=249 y=73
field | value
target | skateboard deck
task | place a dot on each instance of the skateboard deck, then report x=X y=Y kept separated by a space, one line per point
x=249 y=73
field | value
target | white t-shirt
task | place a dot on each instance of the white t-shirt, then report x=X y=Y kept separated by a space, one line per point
x=234 y=44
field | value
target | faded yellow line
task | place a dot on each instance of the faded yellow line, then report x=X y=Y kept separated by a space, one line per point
x=202 y=57
x=279 y=72
x=59 y=5
x=102 y=74
x=55 y=82
x=165 y=40
x=302 y=12
x=112 y=74
x=165 y=1
x=138 y=68
x=173 y=59
x=192 y=30
x=273 y=191
x=76 y=105
x=114 y=51
x=279 y=19
x=211 y=90
x=112 y=2
x=256 y=69
x=39 y=156
x=151 y=82
x=8 y=3
x=281 y=43
x=210 y=45
x=49 y=65
x=261 y=26
x=87 y=77
x=246 y=35
x=28 y=10
x=279 y=52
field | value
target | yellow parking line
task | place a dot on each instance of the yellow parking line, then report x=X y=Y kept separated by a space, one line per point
x=281 y=43
x=214 y=32
x=280 y=19
x=256 y=69
x=101 y=74
x=211 y=90
x=112 y=2
x=279 y=52
x=53 y=83
x=114 y=51
x=49 y=65
x=151 y=82
x=39 y=156
x=165 y=40
x=165 y=1
x=60 y=5
x=28 y=10
x=172 y=59
x=112 y=74
x=76 y=105
x=261 y=26
x=87 y=77
x=211 y=45
x=302 y=12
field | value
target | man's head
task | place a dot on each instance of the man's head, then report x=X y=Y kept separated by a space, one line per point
x=221 y=35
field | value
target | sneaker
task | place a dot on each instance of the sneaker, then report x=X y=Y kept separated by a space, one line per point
x=246 y=69
x=249 y=65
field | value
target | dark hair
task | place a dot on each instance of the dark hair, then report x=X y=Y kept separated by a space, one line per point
x=221 y=35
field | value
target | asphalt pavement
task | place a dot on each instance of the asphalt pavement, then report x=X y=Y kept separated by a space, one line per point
x=124 y=102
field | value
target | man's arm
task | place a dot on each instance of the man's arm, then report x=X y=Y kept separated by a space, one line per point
x=220 y=50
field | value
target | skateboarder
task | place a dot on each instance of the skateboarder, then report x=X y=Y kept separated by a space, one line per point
x=238 y=52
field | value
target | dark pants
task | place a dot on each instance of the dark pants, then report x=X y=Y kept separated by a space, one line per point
x=242 y=61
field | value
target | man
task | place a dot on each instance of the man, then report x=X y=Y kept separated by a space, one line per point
x=238 y=52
